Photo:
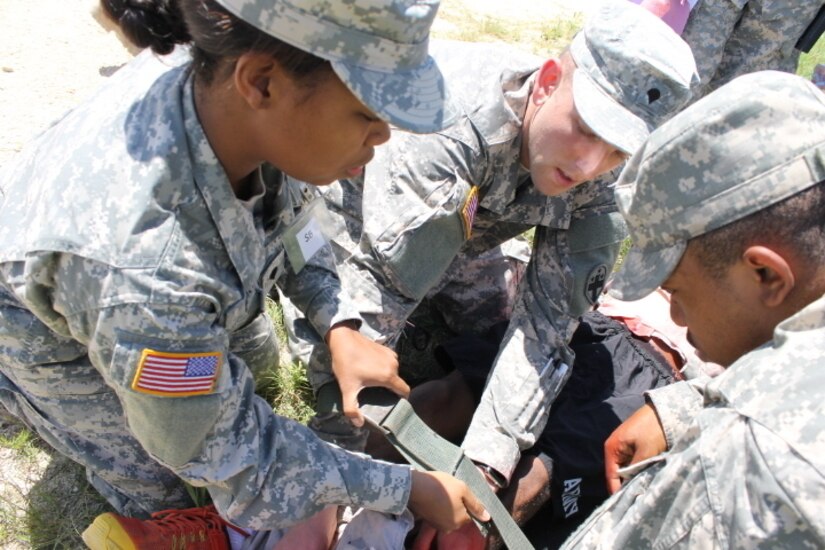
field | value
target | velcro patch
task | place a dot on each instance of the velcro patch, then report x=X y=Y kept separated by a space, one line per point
x=468 y=211
x=176 y=374
x=595 y=283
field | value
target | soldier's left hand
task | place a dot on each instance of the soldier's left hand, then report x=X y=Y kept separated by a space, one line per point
x=359 y=363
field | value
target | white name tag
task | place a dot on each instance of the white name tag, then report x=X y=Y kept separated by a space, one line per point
x=310 y=238
x=305 y=237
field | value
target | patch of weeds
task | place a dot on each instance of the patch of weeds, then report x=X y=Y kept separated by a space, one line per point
x=543 y=37
x=22 y=442
x=555 y=35
x=487 y=29
x=807 y=61
x=61 y=505
x=286 y=386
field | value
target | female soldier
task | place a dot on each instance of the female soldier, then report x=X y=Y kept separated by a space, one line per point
x=140 y=234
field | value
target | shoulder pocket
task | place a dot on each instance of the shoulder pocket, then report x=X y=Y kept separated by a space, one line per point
x=593 y=245
x=424 y=245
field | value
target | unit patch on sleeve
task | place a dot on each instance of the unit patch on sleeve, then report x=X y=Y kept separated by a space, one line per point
x=176 y=374
x=595 y=283
x=468 y=211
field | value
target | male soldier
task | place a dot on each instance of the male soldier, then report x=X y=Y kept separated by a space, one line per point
x=529 y=136
x=725 y=205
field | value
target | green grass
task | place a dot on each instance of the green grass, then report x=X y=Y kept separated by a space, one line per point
x=61 y=505
x=45 y=500
x=286 y=387
x=20 y=441
x=807 y=61
x=542 y=37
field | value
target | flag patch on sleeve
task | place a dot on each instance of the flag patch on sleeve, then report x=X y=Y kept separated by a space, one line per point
x=176 y=374
x=468 y=211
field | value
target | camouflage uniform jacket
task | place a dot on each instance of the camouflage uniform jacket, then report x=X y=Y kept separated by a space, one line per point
x=748 y=470
x=120 y=233
x=735 y=37
x=410 y=215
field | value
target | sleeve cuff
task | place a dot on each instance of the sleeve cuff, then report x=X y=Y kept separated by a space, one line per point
x=675 y=405
x=387 y=487
x=324 y=318
x=493 y=449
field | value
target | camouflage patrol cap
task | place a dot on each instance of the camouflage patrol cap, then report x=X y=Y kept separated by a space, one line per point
x=378 y=48
x=750 y=144
x=633 y=72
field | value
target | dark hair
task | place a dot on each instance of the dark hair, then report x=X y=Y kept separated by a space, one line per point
x=217 y=37
x=797 y=222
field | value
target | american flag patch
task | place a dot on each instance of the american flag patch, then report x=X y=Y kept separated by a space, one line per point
x=176 y=374
x=468 y=211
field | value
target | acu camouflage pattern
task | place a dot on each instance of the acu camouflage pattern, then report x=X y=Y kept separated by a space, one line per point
x=747 y=470
x=400 y=239
x=377 y=47
x=730 y=38
x=400 y=236
x=752 y=143
x=633 y=72
x=119 y=231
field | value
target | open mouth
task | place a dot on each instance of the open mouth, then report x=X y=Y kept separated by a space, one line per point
x=563 y=178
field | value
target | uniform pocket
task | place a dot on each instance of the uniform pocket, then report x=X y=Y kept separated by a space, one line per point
x=419 y=247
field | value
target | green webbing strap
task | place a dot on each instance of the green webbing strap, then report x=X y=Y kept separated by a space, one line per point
x=427 y=450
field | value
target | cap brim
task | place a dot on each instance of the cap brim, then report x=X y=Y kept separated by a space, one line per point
x=607 y=117
x=642 y=272
x=417 y=100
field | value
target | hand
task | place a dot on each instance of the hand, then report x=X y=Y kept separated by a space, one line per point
x=315 y=533
x=358 y=363
x=443 y=501
x=639 y=437
x=467 y=537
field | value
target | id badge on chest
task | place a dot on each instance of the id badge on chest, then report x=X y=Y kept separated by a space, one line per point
x=305 y=236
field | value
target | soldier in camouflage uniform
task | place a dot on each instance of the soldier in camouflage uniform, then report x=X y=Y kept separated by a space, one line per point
x=725 y=205
x=140 y=235
x=528 y=138
x=730 y=38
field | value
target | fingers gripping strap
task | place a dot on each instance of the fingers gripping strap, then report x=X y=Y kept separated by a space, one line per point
x=427 y=450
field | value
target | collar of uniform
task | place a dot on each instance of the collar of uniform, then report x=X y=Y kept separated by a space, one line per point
x=234 y=222
x=504 y=155
x=779 y=384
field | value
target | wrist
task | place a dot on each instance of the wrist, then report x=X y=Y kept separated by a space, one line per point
x=493 y=477
x=351 y=324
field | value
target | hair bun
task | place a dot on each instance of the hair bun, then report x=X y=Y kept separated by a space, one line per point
x=155 y=24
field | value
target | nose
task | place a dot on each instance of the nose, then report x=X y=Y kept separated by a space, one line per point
x=378 y=133
x=591 y=156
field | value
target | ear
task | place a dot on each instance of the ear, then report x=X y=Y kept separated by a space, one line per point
x=772 y=272
x=254 y=76
x=547 y=80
